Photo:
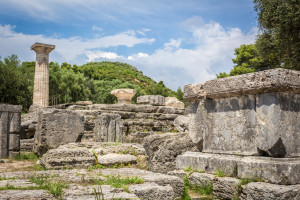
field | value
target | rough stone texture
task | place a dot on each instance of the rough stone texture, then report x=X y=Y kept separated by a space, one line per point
x=162 y=150
x=252 y=83
x=155 y=100
x=252 y=125
x=57 y=127
x=266 y=191
x=179 y=173
x=88 y=192
x=201 y=179
x=17 y=183
x=151 y=191
x=25 y=194
x=41 y=75
x=225 y=188
x=26 y=145
x=109 y=128
x=28 y=128
x=173 y=102
x=182 y=123
x=63 y=157
x=164 y=180
x=113 y=158
x=124 y=95
x=247 y=114
x=10 y=122
x=272 y=170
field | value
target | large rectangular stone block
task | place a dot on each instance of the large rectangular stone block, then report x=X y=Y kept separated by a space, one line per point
x=56 y=127
x=273 y=170
x=262 y=124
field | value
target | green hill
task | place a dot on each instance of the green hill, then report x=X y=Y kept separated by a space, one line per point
x=92 y=81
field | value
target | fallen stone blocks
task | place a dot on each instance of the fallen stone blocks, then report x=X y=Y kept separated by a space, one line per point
x=162 y=150
x=57 y=127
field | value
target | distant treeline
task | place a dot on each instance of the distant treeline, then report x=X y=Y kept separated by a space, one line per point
x=91 y=81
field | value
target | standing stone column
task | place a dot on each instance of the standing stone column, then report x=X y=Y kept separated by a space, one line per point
x=41 y=76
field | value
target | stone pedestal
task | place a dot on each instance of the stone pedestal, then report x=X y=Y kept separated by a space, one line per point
x=249 y=128
x=41 y=76
x=124 y=95
x=10 y=122
x=251 y=114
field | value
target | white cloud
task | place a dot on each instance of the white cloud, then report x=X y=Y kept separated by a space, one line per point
x=67 y=49
x=102 y=55
x=96 y=28
x=211 y=52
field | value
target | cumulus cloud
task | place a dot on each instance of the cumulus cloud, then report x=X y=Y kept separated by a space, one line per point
x=67 y=49
x=206 y=50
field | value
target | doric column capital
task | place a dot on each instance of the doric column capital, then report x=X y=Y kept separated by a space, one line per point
x=40 y=48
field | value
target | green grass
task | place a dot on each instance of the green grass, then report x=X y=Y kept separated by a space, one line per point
x=27 y=156
x=53 y=187
x=38 y=167
x=5 y=178
x=220 y=173
x=97 y=166
x=11 y=187
x=245 y=181
x=117 y=182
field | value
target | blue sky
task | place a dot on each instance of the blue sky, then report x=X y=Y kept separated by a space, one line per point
x=177 y=41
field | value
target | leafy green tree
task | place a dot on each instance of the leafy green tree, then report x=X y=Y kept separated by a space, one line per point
x=179 y=94
x=14 y=87
x=279 y=41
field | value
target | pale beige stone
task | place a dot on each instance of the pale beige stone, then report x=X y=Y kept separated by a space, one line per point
x=174 y=102
x=124 y=95
x=41 y=75
x=84 y=102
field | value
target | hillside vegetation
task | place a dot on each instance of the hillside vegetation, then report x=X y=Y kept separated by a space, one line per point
x=92 y=81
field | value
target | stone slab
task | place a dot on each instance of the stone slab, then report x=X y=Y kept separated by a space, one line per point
x=151 y=191
x=10 y=108
x=272 y=170
x=225 y=188
x=114 y=158
x=273 y=80
x=267 y=191
x=26 y=194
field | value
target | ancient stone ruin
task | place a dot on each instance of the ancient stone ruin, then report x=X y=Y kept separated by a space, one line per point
x=10 y=122
x=41 y=75
x=247 y=127
x=124 y=96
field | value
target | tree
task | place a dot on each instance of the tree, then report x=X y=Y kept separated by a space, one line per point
x=279 y=41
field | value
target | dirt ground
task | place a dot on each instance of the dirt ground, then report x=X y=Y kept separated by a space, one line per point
x=16 y=165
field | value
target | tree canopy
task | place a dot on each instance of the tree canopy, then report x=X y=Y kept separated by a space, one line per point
x=277 y=44
x=91 y=81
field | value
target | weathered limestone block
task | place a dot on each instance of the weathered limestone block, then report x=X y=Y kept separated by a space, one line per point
x=41 y=75
x=225 y=188
x=155 y=100
x=114 y=158
x=57 y=127
x=28 y=129
x=253 y=83
x=63 y=157
x=26 y=144
x=273 y=170
x=248 y=114
x=182 y=123
x=10 y=121
x=267 y=191
x=201 y=179
x=26 y=194
x=174 y=102
x=282 y=171
x=109 y=128
x=162 y=150
x=151 y=191
x=165 y=180
x=124 y=95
